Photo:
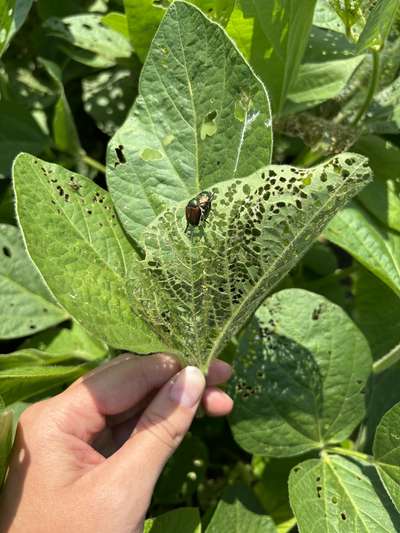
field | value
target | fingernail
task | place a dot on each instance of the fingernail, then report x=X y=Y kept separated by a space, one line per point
x=187 y=387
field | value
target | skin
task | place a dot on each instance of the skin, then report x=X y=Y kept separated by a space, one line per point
x=88 y=459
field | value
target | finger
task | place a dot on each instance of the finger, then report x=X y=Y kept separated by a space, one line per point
x=216 y=402
x=219 y=372
x=158 y=433
x=112 y=389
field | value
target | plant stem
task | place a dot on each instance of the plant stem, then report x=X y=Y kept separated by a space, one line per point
x=309 y=157
x=372 y=87
x=93 y=163
x=388 y=360
x=350 y=453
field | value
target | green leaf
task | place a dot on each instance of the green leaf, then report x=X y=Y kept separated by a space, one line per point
x=278 y=41
x=234 y=514
x=384 y=113
x=199 y=288
x=326 y=17
x=144 y=17
x=12 y=15
x=183 y=473
x=384 y=394
x=202 y=117
x=27 y=306
x=317 y=82
x=22 y=382
x=185 y=520
x=117 y=22
x=376 y=312
x=376 y=247
x=6 y=441
x=339 y=495
x=382 y=196
x=108 y=95
x=300 y=376
x=76 y=242
x=65 y=134
x=74 y=342
x=378 y=25
x=88 y=41
x=387 y=453
x=19 y=131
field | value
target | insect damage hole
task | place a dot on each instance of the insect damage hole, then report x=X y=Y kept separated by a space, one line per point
x=6 y=251
x=120 y=154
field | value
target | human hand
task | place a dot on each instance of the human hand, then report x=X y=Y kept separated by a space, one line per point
x=87 y=460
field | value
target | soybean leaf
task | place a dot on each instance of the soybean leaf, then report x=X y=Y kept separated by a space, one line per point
x=65 y=134
x=201 y=117
x=376 y=247
x=26 y=304
x=185 y=520
x=88 y=41
x=74 y=239
x=382 y=196
x=279 y=36
x=384 y=394
x=117 y=22
x=326 y=17
x=74 y=342
x=6 y=440
x=199 y=288
x=376 y=312
x=183 y=473
x=384 y=113
x=339 y=495
x=12 y=15
x=22 y=382
x=19 y=131
x=300 y=376
x=387 y=453
x=144 y=17
x=233 y=513
x=108 y=95
x=378 y=25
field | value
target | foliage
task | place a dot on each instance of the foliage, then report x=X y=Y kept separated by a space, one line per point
x=114 y=115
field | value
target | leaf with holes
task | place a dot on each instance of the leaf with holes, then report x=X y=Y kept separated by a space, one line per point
x=198 y=288
x=26 y=304
x=339 y=495
x=387 y=453
x=201 y=117
x=75 y=240
x=300 y=377
x=374 y=245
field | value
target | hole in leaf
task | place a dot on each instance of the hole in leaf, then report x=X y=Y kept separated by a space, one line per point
x=120 y=154
x=6 y=251
x=343 y=516
x=209 y=126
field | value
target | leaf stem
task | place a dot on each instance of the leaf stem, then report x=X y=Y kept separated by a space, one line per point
x=388 y=360
x=350 y=453
x=372 y=87
x=93 y=163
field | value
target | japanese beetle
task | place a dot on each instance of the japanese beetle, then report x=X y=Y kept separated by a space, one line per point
x=198 y=209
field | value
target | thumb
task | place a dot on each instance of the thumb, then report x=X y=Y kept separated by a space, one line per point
x=159 y=431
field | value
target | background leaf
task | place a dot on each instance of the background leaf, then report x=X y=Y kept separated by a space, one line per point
x=387 y=453
x=210 y=121
x=300 y=376
x=341 y=495
x=233 y=513
x=27 y=306
x=74 y=238
x=6 y=441
x=185 y=520
x=198 y=289
x=378 y=25
x=278 y=42
x=372 y=244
